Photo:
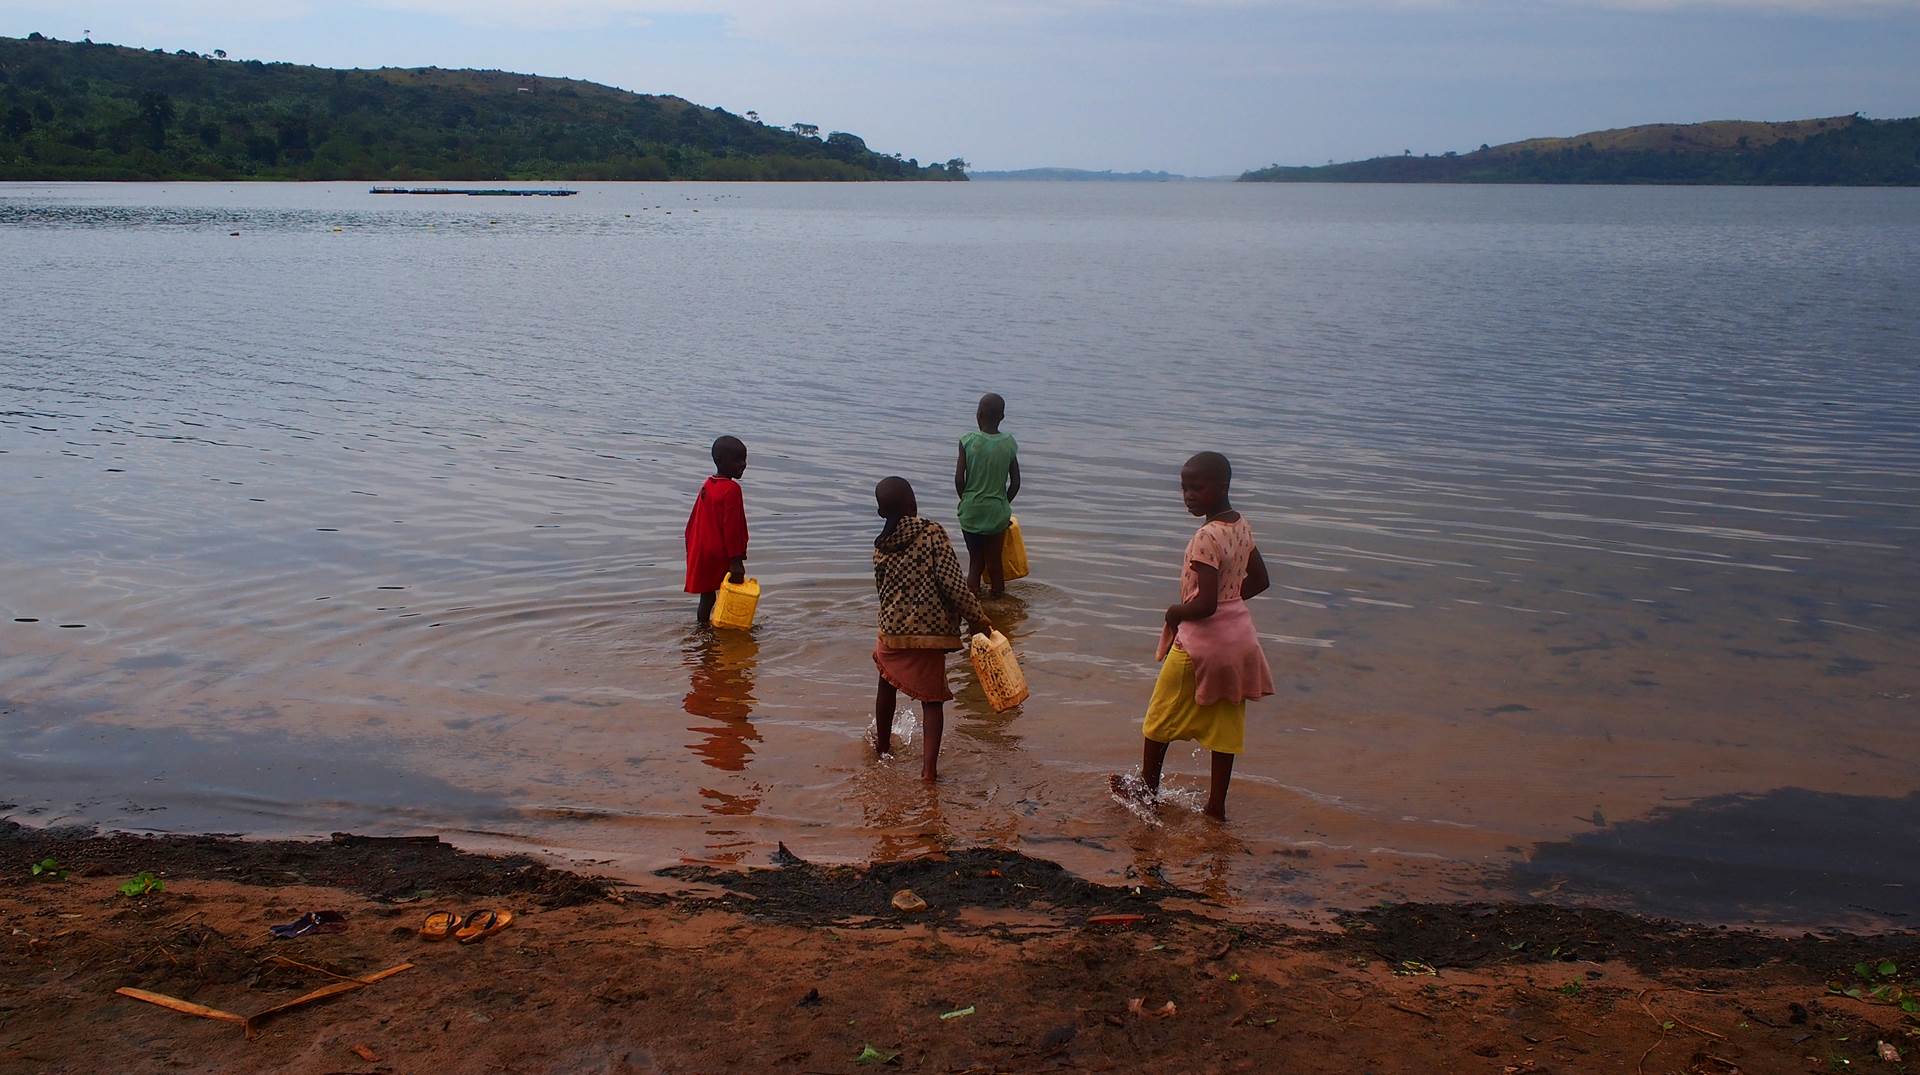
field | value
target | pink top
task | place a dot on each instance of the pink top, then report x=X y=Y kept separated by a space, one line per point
x=1228 y=664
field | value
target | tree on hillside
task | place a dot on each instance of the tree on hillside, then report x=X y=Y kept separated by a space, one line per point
x=805 y=130
x=156 y=111
x=850 y=143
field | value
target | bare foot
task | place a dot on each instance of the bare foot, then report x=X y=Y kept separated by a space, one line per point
x=929 y=774
x=1219 y=815
x=1129 y=787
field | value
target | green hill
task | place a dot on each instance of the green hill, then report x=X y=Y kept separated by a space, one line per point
x=1837 y=151
x=78 y=110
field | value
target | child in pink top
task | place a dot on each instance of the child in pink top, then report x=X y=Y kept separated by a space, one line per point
x=1211 y=662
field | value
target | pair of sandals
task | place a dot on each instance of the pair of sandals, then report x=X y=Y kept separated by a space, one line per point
x=477 y=925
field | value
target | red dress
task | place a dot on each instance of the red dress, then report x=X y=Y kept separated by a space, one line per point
x=716 y=534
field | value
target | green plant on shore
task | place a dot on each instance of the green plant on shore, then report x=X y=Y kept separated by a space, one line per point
x=1573 y=989
x=1879 y=983
x=48 y=870
x=141 y=884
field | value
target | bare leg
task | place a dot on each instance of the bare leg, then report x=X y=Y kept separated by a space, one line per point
x=996 y=567
x=975 y=565
x=883 y=702
x=705 y=615
x=1153 y=757
x=933 y=721
x=1217 y=788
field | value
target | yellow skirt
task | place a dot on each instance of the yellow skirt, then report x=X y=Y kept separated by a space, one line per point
x=1173 y=715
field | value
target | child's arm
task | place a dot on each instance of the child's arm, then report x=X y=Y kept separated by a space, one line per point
x=1204 y=603
x=733 y=534
x=1257 y=580
x=960 y=473
x=1013 y=478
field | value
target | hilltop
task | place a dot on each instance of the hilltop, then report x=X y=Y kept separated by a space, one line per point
x=1835 y=151
x=79 y=110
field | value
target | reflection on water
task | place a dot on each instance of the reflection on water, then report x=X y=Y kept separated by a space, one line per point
x=720 y=668
x=720 y=689
x=1580 y=502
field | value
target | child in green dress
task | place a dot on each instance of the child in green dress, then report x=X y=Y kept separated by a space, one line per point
x=987 y=477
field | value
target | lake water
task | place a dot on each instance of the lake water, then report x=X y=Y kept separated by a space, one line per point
x=1592 y=514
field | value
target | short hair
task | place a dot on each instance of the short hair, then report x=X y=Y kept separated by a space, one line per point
x=993 y=405
x=727 y=448
x=1213 y=465
x=894 y=494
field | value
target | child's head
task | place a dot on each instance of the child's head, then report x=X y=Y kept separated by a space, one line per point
x=894 y=498
x=1204 y=482
x=991 y=412
x=729 y=457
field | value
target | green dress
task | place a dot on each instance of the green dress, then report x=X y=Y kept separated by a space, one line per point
x=983 y=504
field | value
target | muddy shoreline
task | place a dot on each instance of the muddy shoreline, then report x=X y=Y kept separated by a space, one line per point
x=800 y=967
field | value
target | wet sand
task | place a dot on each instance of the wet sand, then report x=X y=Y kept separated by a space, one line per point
x=799 y=969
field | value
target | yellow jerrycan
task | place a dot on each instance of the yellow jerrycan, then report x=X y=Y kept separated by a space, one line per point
x=999 y=672
x=1013 y=552
x=735 y=605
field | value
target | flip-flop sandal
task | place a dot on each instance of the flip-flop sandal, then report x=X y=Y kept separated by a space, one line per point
x=482 y=923
x=439 y=925
x=473 y=924
x=311 y=922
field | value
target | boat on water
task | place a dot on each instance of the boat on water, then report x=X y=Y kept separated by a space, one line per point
x=492 y=192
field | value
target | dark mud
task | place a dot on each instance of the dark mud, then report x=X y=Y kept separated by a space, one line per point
x=389 y=869
x=1785 y=856
x=1470 y=935
x=805 y=893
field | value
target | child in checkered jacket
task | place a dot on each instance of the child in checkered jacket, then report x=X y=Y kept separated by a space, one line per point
x=923 y=597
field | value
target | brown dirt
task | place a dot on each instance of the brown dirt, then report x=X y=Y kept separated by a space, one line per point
x=797 y=969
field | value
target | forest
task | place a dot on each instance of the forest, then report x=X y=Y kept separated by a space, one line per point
x=1841 y=151
x=86 y=111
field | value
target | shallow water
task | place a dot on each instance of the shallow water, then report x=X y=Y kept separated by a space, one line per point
x=1592 y=514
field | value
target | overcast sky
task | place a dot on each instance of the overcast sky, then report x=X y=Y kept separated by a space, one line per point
x=1201 y=87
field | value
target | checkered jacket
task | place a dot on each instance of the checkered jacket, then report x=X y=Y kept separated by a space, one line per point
x=923 y=595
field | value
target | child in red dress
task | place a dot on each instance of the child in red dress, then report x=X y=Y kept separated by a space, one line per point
x=717 y=529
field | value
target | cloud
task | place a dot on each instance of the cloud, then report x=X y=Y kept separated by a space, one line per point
x=778 y=15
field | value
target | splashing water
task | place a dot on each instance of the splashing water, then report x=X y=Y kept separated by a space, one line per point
x=1130 y=791
x=906 y=729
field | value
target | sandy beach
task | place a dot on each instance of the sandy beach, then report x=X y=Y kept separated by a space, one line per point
x=1015 y=965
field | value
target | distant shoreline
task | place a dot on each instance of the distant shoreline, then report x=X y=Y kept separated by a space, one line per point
x=1837 y=151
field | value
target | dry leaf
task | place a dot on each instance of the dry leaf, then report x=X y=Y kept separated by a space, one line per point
x=366 y=1054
